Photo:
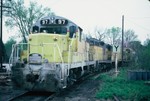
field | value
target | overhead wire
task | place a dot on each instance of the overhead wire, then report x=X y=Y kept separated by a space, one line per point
x=136 y=24
x=144 y=17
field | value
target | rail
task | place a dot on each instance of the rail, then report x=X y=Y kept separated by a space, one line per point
x=18 y=96
x=33 y=96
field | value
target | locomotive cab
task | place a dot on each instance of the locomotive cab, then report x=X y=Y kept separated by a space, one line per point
x=52 y=37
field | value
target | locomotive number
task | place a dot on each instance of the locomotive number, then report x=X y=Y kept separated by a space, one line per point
x=61 y=21
x=54 y=22
x=45 y=22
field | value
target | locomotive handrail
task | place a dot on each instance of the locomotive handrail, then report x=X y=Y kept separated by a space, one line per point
x=58 y=50
x=14 y=46
x=55 y=54
x=11 y=56
x=70 y=53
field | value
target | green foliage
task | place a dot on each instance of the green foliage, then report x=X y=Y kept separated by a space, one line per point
x=141 y=59
x=114 y=35
x=122 y=88
x=135 y=45
x=8 y=47
x=144 y=58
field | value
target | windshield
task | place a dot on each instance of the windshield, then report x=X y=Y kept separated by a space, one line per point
x=56 y=30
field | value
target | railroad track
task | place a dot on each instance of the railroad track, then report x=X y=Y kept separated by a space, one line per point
x=20 y=95
x=33 y=96
x=46 y=96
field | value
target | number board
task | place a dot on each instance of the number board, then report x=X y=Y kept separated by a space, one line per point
x=48 y=22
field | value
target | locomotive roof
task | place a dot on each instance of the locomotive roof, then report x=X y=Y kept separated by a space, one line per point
x=52 y=21
x=94 y=41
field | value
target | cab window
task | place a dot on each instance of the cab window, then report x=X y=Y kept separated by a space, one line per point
x=72 y=30
x=35 y=29
x=55 y=30
x=80 y=34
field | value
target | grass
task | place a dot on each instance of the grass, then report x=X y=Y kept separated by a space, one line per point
x=121 y=87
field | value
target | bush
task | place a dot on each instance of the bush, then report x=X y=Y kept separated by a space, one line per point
x=141 y=58
x=144 y=57
x=122 y=88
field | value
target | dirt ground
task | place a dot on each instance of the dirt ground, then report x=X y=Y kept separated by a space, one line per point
x=81 y=91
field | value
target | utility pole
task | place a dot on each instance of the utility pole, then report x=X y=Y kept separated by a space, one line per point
x=1 y=33
x=122 y=37
x=1 y=41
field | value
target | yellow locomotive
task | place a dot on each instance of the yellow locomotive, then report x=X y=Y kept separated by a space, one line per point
x=56 y=55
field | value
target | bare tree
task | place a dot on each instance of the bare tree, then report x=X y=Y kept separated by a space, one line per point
x=129 y=36
x=113 y=35
x=22 y=17
x=100 y=34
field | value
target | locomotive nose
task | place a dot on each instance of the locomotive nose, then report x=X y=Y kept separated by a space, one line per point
x=32 y=77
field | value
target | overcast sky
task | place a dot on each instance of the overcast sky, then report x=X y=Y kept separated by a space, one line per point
x=89 y=14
